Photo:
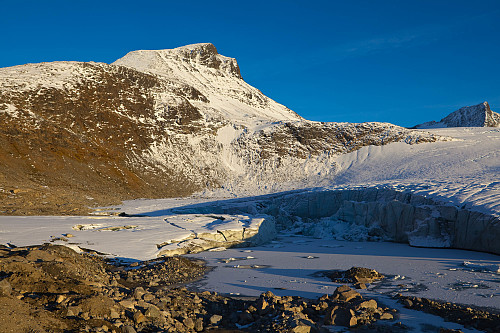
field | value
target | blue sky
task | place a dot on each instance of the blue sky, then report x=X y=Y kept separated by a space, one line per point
x=403 y=62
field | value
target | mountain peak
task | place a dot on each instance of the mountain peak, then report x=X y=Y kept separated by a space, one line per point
x=201 y=48
x=479 y=115
x=215 y=77
x=195 y=55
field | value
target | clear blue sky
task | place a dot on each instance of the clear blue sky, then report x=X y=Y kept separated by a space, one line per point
x=403 y=62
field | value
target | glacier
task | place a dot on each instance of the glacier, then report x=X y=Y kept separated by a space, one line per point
x=440 y=194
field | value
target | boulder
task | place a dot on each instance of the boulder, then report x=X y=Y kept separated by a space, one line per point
x=344 y=293
x=340 y=316
x=5 y=288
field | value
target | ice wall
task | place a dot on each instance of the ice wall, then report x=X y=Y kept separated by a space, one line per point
x=403 y=217
x=395 y=215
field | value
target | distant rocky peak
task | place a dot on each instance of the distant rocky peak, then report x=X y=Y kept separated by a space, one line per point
x=479 y=115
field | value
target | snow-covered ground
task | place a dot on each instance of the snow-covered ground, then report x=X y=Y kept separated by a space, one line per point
x=464 y=171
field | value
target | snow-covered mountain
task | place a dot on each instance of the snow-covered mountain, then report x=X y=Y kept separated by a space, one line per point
x=160 y=123
x=469 y=116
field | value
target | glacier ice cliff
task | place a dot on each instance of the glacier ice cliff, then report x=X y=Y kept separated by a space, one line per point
x=383 y=213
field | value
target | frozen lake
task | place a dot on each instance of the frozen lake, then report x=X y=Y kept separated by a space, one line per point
x=287 y=267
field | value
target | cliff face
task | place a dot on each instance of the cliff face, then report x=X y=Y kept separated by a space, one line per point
x=156 y=124
x=469 y=116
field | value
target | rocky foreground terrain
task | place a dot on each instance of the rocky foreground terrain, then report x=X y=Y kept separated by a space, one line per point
x=52 y=288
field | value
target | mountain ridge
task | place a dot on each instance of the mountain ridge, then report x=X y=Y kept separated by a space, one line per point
x=76 y=134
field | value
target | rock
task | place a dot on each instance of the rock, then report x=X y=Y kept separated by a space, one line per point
x=323 y=305
x=370 y=304
x=143 y=304
x=344 y=293
x=179 y=327
x=198 y=325
x=337 y=315
x=300 y=329
x=75 y=310
x=148 y=297
x=138 y=292
x=386 y=316
x=113 y=314
x=246 y=318
x=360 y=285
x=358 y=275
x=128 y=329
x=261 y=305
x=5 y=288
x=189 y=323
x=97 y=306
x=153 y=312
x=342 y=288
x=127 y=303
x=407 y=303
x=60 y=299
x=215 y=319
x=479 y=115
x=139 y=317
x=268 y=294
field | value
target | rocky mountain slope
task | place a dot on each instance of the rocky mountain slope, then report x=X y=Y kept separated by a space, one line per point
x=157 y=124
x=469 y=116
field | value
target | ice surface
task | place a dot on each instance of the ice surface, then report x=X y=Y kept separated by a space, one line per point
x=140 y=238
x=288 y=270
x=480 y=267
